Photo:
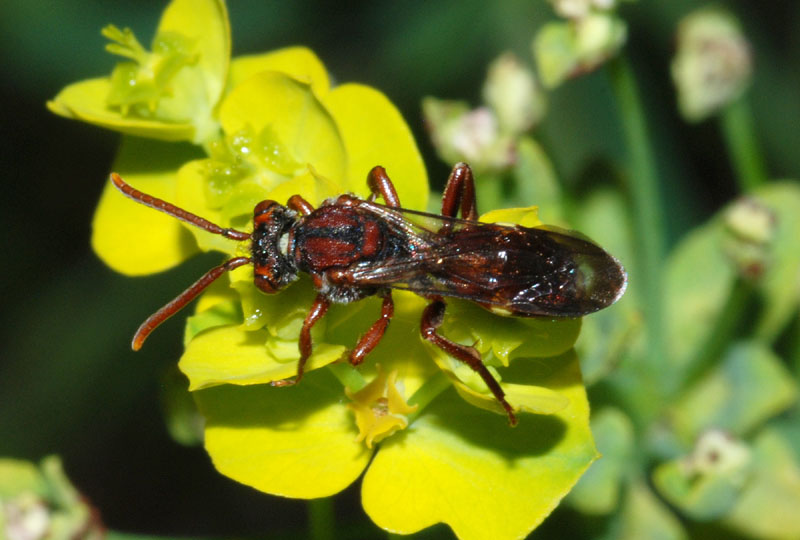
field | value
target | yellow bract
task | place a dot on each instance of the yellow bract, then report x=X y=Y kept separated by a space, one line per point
x=298 y=62
x=521 y=397
x=327 y=157
x=299 y=125
x=374 y=133
x=296 y=442
x=134 y=239
x=453 y=466
x=86 y=101
x=527 y=217
x=229 y=355
x=268 y=127
x=183 y=109
x=204 y=22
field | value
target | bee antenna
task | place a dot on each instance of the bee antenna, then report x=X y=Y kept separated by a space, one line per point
x=174 y=211
x=154 y=320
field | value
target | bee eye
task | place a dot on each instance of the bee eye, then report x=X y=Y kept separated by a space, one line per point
x=263 y=207
x=265 y=283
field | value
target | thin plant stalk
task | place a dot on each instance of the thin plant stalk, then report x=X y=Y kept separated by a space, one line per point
x=648 y=220
x=738 y=130
x=321 y=519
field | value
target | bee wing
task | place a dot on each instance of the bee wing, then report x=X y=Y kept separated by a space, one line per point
x=529 y=272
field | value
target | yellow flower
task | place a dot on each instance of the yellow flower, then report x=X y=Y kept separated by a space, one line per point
x=379 y=408
x=267 y=127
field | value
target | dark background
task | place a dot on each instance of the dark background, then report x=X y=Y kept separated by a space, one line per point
x=70 y=385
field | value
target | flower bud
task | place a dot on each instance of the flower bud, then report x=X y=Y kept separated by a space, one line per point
x=717 y=452
x=473 y=136
x=512 y=93
x=567 y=49
x=575 y=9
x=750 y=228
x=713 y=63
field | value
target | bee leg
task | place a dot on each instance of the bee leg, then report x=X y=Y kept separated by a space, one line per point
x=380 y=184
x=373 y=336
x=460 y=193
x=432 y=318
x=300 y=205
x=318 y=310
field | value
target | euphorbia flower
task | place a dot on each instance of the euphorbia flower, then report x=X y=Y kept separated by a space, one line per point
x=277 y=129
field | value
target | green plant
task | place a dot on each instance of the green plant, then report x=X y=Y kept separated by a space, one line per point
x=691 y=377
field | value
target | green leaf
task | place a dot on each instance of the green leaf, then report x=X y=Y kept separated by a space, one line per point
x=461 y=466
x=780 y=286
x=599 y=490
x=698 y=280
x=555 y=53
x=706 y=483
x=701 y=274
x=18 y=476
x=568 y=48
x=645 y=516
x=42 y=502
x=767 y=508
x=749 y=386
x=609 y=335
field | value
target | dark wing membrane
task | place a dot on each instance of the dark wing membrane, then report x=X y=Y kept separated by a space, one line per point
x=529 y=272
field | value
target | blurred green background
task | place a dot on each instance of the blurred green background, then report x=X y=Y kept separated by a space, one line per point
x=70 y=385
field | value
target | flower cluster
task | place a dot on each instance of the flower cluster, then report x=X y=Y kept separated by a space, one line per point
x=591 y=34
x=268 y=126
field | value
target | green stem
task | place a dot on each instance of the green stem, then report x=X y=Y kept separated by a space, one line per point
x=349 y=376
x=648 y=220
x=736 y=122
x=794 y=347
x=426 y=393
x=321 y=518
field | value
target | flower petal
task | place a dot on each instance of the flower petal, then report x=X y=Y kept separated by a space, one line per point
x=132 y=238
x=227 y=354
x=454 y=465
x=183 y=111
x=86 y=101
x=190 y=195
x=297 y=122
x=298 y=62
x=205 y=23
x=527 y=217
x=521 y=397
x=296 y=442
x=375 y=133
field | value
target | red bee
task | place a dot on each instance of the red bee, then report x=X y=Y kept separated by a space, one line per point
x=354 y=248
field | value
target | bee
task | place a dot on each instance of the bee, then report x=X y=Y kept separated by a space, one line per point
x=353 y=248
